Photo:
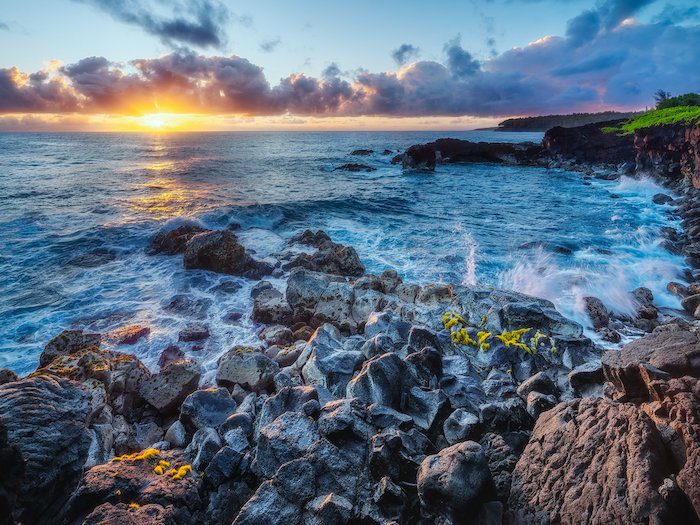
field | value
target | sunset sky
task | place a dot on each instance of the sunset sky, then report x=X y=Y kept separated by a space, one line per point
x=240 y=65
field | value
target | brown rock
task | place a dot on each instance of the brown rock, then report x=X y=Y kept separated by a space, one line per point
x=127 y=335
x=676 y=353
x=220 y=251
x=592 y=461
x=68 y=342
x=167 y=390
x=597 y=312
x=173 y=242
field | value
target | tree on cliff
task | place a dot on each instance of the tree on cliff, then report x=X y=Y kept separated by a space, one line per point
x=664 y=100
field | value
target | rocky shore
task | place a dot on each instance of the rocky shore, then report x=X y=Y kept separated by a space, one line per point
x=373 y=400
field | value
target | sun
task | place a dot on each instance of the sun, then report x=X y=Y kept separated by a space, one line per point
x=159 y=121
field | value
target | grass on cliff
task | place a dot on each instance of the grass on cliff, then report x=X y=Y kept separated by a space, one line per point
x=658 y=117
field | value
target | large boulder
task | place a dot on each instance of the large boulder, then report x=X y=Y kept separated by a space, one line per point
x=66 y=343
x=288 y=437
x=207 y=408
x=384 y=379
x=173 y=241
x=167 y=390
x=269 y=305
x=245 y=367
x=45 y=419
x=330 y=257
x=658 y=355
x=220 y=251
x=593 y=461
x=455 y=482
x=304 y=289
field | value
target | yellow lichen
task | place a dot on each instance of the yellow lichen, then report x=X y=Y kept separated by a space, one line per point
x=134 y=506
x=118 y=492
x=462 y=337
x=181 y=472
x=158 y=470
x=512 y=338
x=149 y=453
x=481 y=338
x=451 y=319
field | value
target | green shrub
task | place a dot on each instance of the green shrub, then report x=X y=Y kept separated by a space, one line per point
x=658 y=117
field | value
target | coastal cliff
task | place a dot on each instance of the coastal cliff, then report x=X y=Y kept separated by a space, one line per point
x=670 y=151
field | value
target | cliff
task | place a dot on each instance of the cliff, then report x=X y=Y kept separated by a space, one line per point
x=545 y=122
x=670 y=151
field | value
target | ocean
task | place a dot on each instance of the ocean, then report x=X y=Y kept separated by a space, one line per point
x=77 y=212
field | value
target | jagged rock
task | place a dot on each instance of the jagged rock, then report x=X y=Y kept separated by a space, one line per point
x=597 y=312
x=389 y=324
x=288 y=437
x=207 y=408
x=170 y=354
x=591 y=460
x=45 y=420
x=220 y=251
x=7 y=376
x=66 y=343
x=327 y=508
x=203 y=447
x=335 y=306
x=269 y=305
x=460 y=426
x=268 y=506
x=277 y=335
x=586 y=378
x=355 y=167
x=193 y=332
x=455 y=481
x=541 y=383
x=676 y=353
x=426 y=407
x=176 y=435
x=325 y=362
x=290 y=399
x=304 y=289
x=398 y=454
x=505 y=416
x=167 y=390
x=330 y=257
x=384 y=379
x=172 y=242
x=126 y=335
x=245 y=367
x=538 y=403
x=502 y=457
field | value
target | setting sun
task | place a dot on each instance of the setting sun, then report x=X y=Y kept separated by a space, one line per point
x=160 y=121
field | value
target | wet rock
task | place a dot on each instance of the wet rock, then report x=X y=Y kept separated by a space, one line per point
x=45 y=419
x=614 y=481
x=7 y=376
x=167 y=390
x=269 y=305
x=419 y=157
x=597 y=312
x=335 y=306
x=455 y=481
x=679 y=290
x=304 y=289
x=245 y=367
x=66 y=343
x=277 y=335
x=220 y=251
x=662 y=198
x=362 y=152
x=172 y=242
x=127 y=335
x=355 y=167
x=193 y=332
x=330 y=257
x=676 y=353
x=207 y=408
x=170 y=354
x=610 y=335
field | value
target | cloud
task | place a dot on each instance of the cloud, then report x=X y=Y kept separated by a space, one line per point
x=268 y=46
x=671 y=14
x=460 y=61
x=198 y=23
x=404 y=53
x=4 y=26
x=598 y=64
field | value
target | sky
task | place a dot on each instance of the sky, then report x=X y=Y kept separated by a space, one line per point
x=240 y=64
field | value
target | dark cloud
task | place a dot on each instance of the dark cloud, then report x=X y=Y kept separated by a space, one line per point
x=460 y=61
x=198 y=23
x=268 y=46
x=594 y=66
x=404 y=53
x=671 y=14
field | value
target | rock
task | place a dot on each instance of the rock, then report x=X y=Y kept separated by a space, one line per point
x=541 y=383
x=207 y=408
x=455 y=481
x=676 y=353
x=691 y=303
x=505 y=416
x=597 y=312
x=586 y=376
x=277 y=335
x=588 y=144
x=353 y=166
x=326 y=363
x=170 y=354
x=245 y=367
x=460 y=426
x=176 y=435
x=172 y=242
x=502 y=457
x=268 y=506
x=330 y=257
x=136 y=481
x=389 y=324
x=363 y=152
x=538 y=403
x=384 y=379
x=193 y=332
x=419 y=157
x=335 y=306
x=66 y=343
x=328 y=508
x=612 y=336
x=662 y=198
x=127 y=335
x=283 y=356
x=643 y=296
x=288 y=437
x=593 y=460
x=269 y=305
x=304 y=289
x=167 y=390
x=222 y=467
x=203 y=447
x=219 y=251
x=427 y=407
x=43 y=420
x=7 y=376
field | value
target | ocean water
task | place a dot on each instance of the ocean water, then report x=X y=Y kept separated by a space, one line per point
x=66 y=195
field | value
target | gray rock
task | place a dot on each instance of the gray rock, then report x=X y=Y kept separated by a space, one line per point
x=223 y=466
x=288 y=437
x=387 y=323
x=427 y=407
x=167 y=390
x=304 y=289
x=460 y=426
x=327 y=508
x=250 y=369
x=207 y=408
x=597 y=312
x=268 y=506
x=383 y=379
x=455 y=480
x=505 y=416
x=277 y=335
x=538 y=403
x=176 y=435
x=365 y=301
x=335 y=306
x=237 y=440
x=269 y=305
x=541 y=383
x=204 y=446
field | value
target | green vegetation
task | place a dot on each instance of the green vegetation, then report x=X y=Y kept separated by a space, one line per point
x=545 y=122
x=664 y=100
x=658 y=117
